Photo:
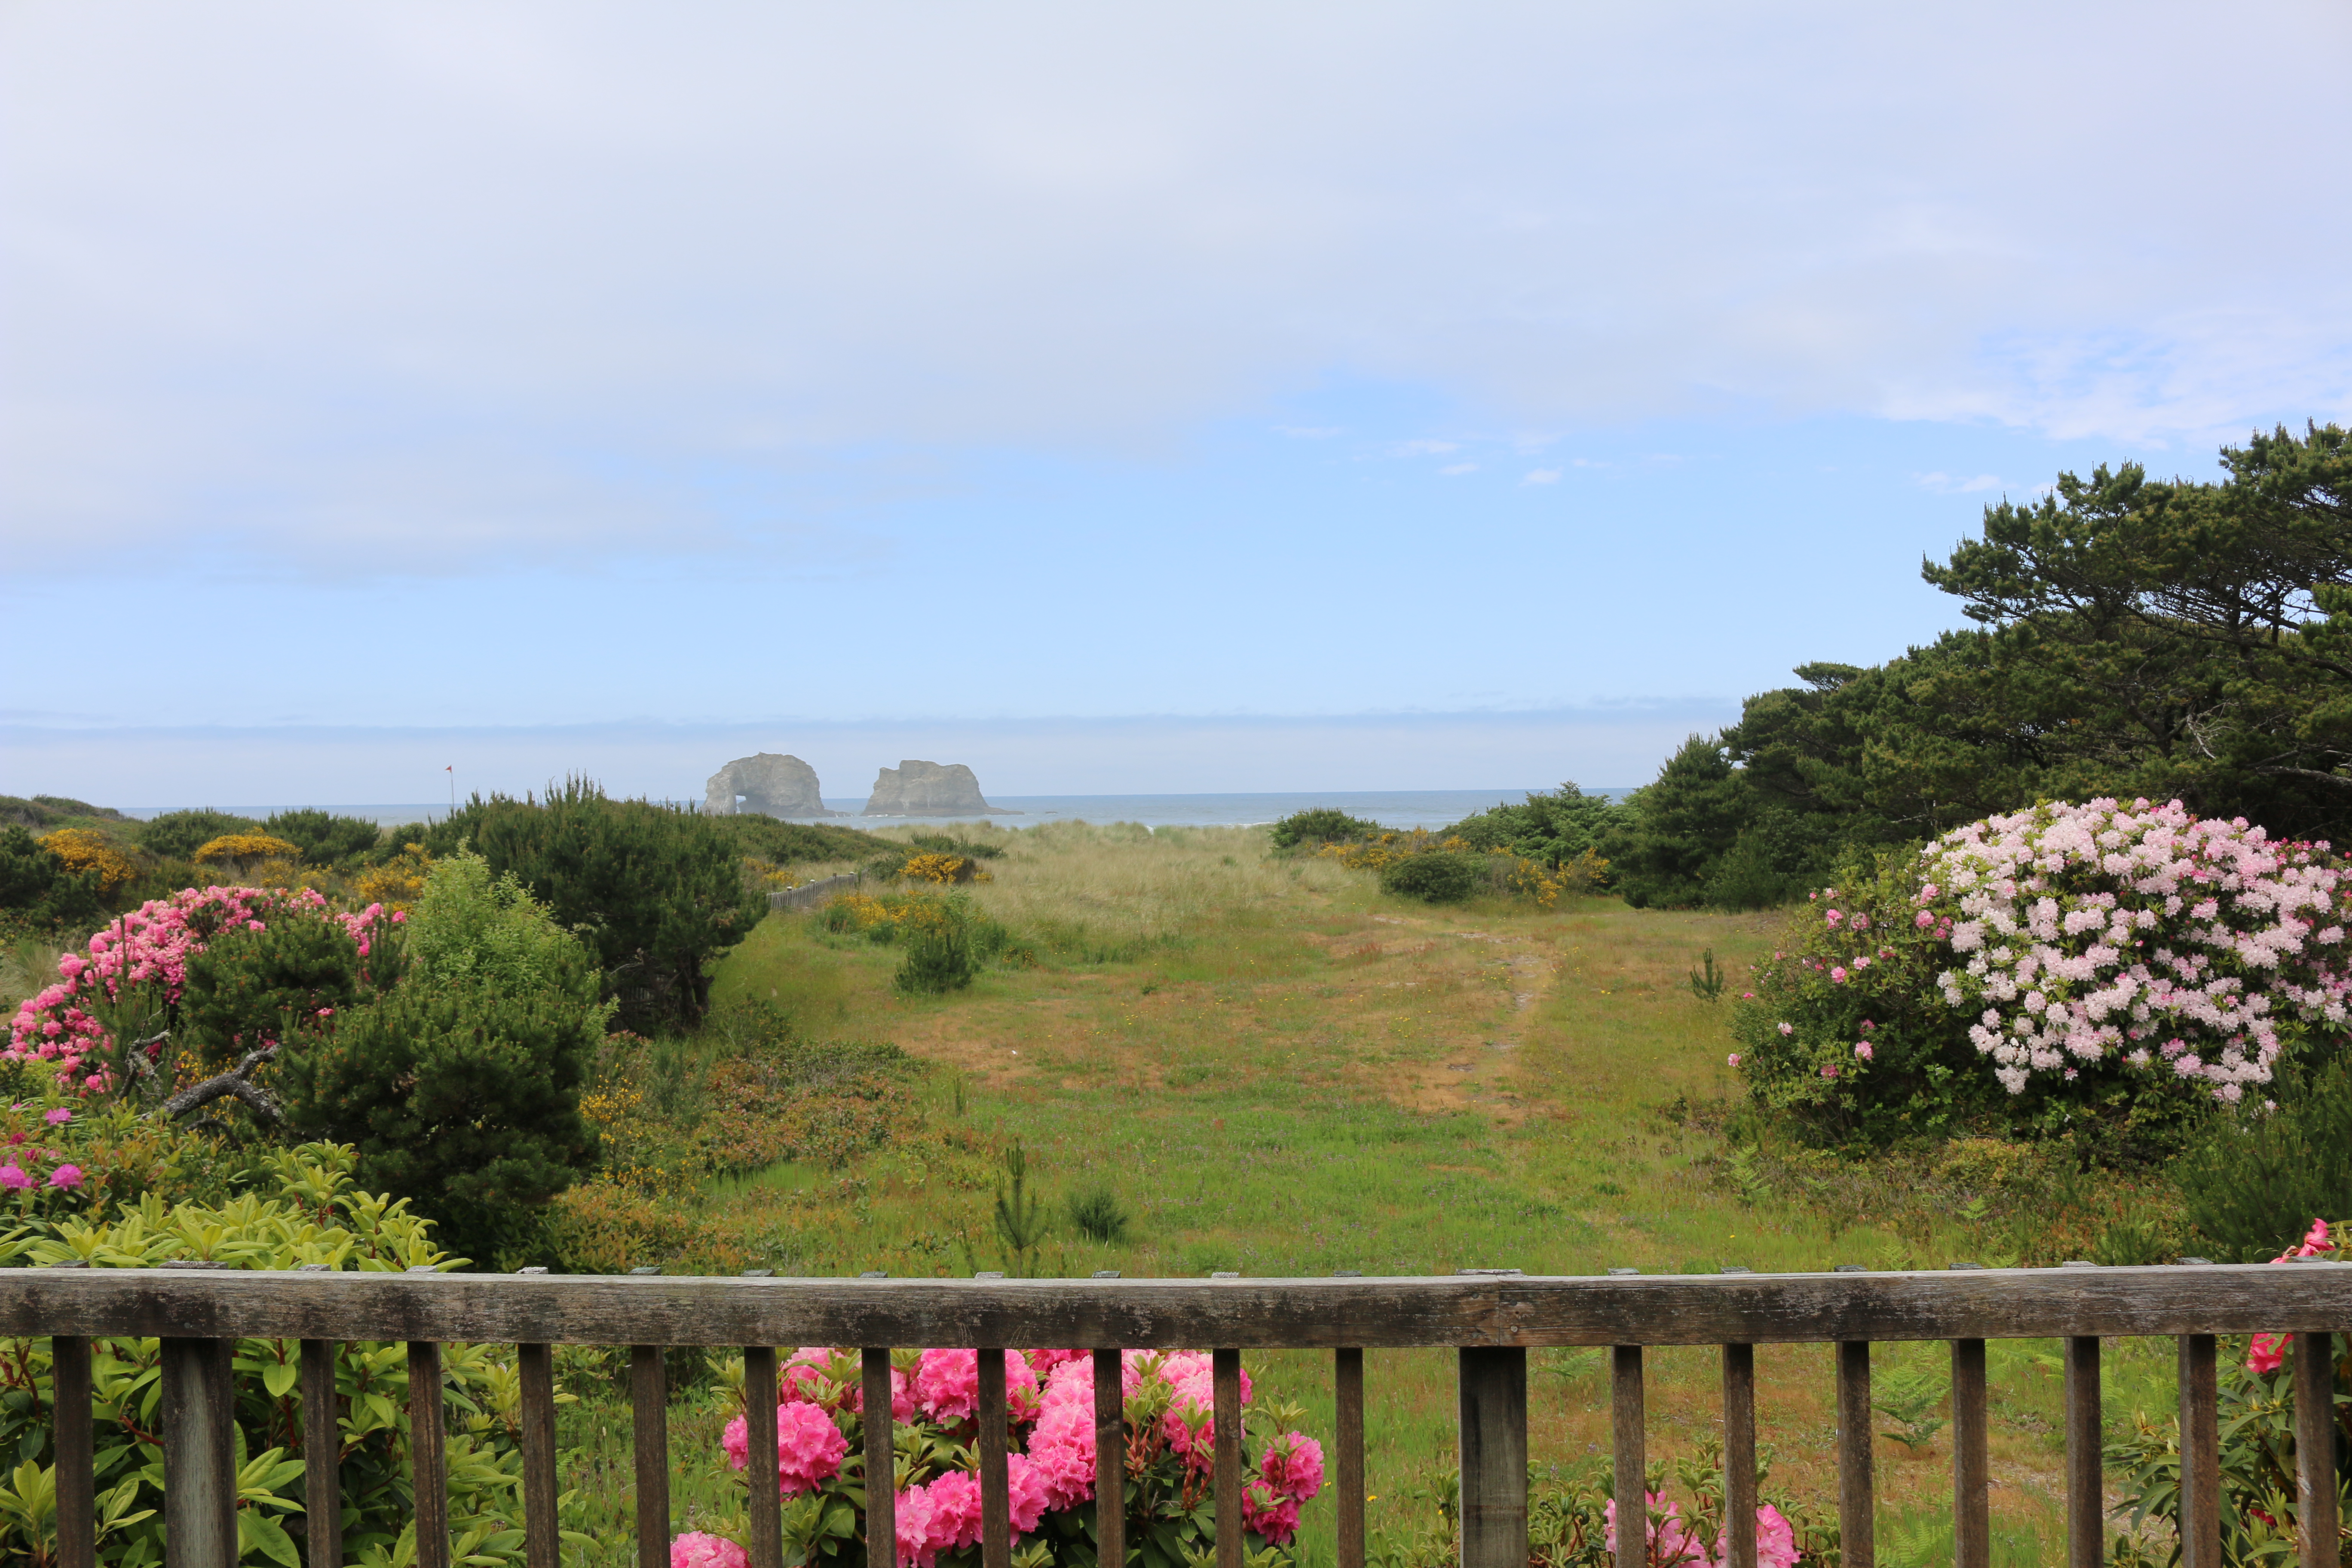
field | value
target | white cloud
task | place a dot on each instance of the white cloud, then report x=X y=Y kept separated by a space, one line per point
x=469 y=283
x=1459 y=469
x=1426 y=448
x=1541 y=476
x=1945 y=484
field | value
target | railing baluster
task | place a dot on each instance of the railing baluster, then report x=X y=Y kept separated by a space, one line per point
x=1739 y=1454
x=542 y=1542
x=881 y=1461
x=2314 y=1449
x=766 y=1547
x=76 y=1486
x=1857 y=1531
x=649 y=1434
x=1225 y=1370
x=1110 y=1458
x=1348 y=1400
x=1493 y=1384
x=199 y=1454
x=1627 y=1441
x=2087 y=1502
x=428 y=1461
x=2200 y=1453
x=322 y=1455
x=1971 y=1468
x=995 y=1503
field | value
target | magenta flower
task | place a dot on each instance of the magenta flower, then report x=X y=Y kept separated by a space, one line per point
x=1830 y=1071
x=696 y=1550
x=58 y=1116
x=13 y=1177
x=1862 y=1049
x=1732 y=1060
x=65 y=1176
x=1837 y=974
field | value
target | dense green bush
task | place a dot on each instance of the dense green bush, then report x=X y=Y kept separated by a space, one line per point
x=285 y=981
x=178 y=835
x=1552 y=829
x=657 y=893
x=461 y=1089
x=1321 y=825
x=2252 y=1186
x=1441 y=877
x=940 y=959
x=324 y=838
x=38 y=887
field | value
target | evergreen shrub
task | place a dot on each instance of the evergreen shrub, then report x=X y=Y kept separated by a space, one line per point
x=1443 y=877
x=178 y=835
x=39 y=889
x=1321 y=825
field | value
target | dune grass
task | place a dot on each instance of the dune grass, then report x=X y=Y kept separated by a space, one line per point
x=1278 y=1069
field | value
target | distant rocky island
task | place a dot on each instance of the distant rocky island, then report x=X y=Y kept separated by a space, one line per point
x=929 y=789
x=768 y=785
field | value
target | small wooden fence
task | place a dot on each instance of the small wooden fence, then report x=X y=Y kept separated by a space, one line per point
x=809 y=895
x=1491 y=1318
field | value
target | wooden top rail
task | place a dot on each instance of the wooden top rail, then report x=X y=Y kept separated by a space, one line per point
x=1512 y=1310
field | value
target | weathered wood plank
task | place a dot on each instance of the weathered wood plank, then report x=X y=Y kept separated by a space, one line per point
x=649 y=1450
x=881 y=1459
x=542 y=1541
x=1110 y=1459
x=2200 y=1453
x=996 y=1424
x=2315 y=1449
x=323 y=1454
x=1754 y=1308
x=427 y=1454
x=199 y=1454
x=1348 y=1400
x=1971 y=1464
x=1493 y=1424
x=1739 y=1454
x=1857 y=1508
x=76 y=1483
x=2086 y=1497
x=1628 y=1440
x=1226 y=1378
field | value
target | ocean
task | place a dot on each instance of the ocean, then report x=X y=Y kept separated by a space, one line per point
x=1402 y=809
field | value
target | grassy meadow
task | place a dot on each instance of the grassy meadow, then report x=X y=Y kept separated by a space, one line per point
x=1279 y=1070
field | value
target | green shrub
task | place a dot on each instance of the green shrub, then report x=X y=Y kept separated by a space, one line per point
x=939 y=958
x=1321 y=825
x=38 y=887
x=178 y=835
x=324 y=838
x=1553 y=829
x=249 y=986
x=2254 y=1183
x=656 y=893
x=1441 y=877
x=1097 y=1214
x=461 y=1089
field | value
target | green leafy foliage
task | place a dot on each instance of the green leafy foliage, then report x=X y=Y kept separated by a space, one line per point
x=324 y=838
x=939 y=958
x=285 y=982
x=1097 y=1214
x=1321 y=825
x=303 y=1210
x=460 y=1088
x=2250 y=1178
x=38 y=889
x=178 y=835
x=1443 y=877
x=656 y=893
x=1552 y=827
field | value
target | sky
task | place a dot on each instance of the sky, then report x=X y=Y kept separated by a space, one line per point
x=1115 y=399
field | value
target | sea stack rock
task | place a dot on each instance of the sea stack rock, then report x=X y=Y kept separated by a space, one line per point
x=767 y=785
x=928 y=789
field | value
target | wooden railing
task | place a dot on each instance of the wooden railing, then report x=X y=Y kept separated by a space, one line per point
x=1491 y=1318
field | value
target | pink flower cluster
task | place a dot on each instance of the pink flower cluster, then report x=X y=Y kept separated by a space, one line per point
x=152 y=945
x=2266 y=1352
x=1673 y=1541
x=1290 y=1472
x=810 y=1446
x=696 y=1550
x=2100 y=929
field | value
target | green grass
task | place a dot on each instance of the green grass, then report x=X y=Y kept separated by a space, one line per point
x=1279 y=1070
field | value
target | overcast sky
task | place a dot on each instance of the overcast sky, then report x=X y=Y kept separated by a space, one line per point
x=1308 y=388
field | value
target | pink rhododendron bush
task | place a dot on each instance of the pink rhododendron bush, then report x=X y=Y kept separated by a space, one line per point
x=135 y=972
x=2124 y=964
x=1049 y=1398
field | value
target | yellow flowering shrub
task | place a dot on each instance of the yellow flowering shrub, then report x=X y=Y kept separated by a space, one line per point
x=398 y=882
x=84 y=850
x=246 y=846
x=932 y=867
x=1544 y=884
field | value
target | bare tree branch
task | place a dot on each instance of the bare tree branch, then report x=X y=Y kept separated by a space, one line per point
x=235 y=1081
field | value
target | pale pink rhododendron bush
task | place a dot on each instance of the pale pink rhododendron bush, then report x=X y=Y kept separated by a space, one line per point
x=1050 y=1461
